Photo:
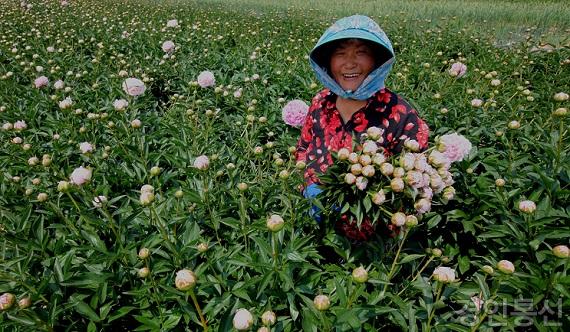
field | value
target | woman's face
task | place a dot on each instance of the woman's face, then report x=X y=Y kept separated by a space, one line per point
x=351 y=62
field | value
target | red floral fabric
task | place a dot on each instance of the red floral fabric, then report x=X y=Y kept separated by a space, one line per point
x=324 y=131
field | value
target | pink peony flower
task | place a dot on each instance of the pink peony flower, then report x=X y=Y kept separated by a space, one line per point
x=444 y=274
x=20 y=125
x=40 y=82
x=168 y=46
x=66 y=103
x=527 y=206
x=86 y=147
x=361 y=183
x=455 y=147
x=458 y=70
x=294 y=112
x=172 y=23
x=58 y=85
x=476 y=103
x=120 y=104
x=80 y=175
x=133 y=86
x=202 y=162
x=206 y=79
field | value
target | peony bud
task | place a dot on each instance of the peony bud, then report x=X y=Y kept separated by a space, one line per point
x=7 y=301
x=364 y=160
x=146 y=198
x=42 y=197
x=436 y=252
x=353 y=157
x=24 y=303
x=361 y=182
x=275 y=223
x=243 y=320
x=144 y=253
x=444 y=274
x=386 y=169
x=179 y=193
x=506 y=267
x=398 y=172
x=379 y=159
x=242 y=186
x=514 y=125
x=300 y=165
x=368 y=171
x=398 y=219
x=155 y=170
x=499 y=182
x=349 y=178
x=560 y=112
x=561 y=96
x=561 y=251
x=143 y=272
x=202 y=247
x=411 y=221
x=322 y=302
x=268 y=318
x=343 y=154
x=63 y=186
x=356 y=169
x=379 y=197
x=488 y=269
x=397 y=184
x=202 y=162
x=527 y=206
x=185 y=280
x=360 y=275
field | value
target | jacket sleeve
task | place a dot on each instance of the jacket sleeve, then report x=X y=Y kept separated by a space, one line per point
x=408 y=127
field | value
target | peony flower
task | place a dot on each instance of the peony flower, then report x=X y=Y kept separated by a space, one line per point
x=275 y=223
x=185 y=280
x=356 y=169
x=453 y=146
x=415 y=179
x=243 y=320
x=368 y=171
x=379 y=159
x=7 y=301
x=268 y=318
x=514 y=124
x=58 y=85
x=40 y=82
x=349 y=178
x=386 y=169
x=457 y=70
x=295 y=112
x=136 y=123
x=476 y=103
x=66 y=103
x=206 y=79
x=527 y=206
x=444 y=274
x=322 y=302
x=86 y=147
x=98 y=201
x=20 y=125
x=506 y=266
x=133 y=87
x=364 y=160
x=147 y=188
x=80 y=175
x=353 y=157
x=202 y=162
x=168 y=46
x=172 y=23
x=407 y=161
x=360 y=275
x=561 y=251
x=439 y=160
x=120 y=104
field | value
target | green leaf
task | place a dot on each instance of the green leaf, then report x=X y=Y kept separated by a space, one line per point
x=120 y=313
x=84 y=309
x=409 y=258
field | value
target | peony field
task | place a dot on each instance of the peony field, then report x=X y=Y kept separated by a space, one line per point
x=149 y=178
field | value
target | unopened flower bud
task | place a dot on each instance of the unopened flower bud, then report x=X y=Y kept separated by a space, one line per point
x=561 y=251
x=7 y=301
x=343 y=154
x=275 y=223
x=144 y=253
x=506 y=267
x=360 y=275
x=499 y=182
x=202 y=247
x=185 y=280
x=488 y=269
x=268 y=318
x=322 y=302
x=143 y=272
x=24 y=302
x=154 y=171
x=243 y=320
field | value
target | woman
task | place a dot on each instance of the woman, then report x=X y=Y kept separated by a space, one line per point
x=352 y=59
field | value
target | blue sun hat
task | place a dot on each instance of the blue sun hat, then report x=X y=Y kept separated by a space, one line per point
x=361 y=27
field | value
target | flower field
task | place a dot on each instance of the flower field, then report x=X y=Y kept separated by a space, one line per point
x=149 y=183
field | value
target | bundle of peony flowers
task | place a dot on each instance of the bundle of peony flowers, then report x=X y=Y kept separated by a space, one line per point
x=294 y=112
x=367 y=186
x=206 y=79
